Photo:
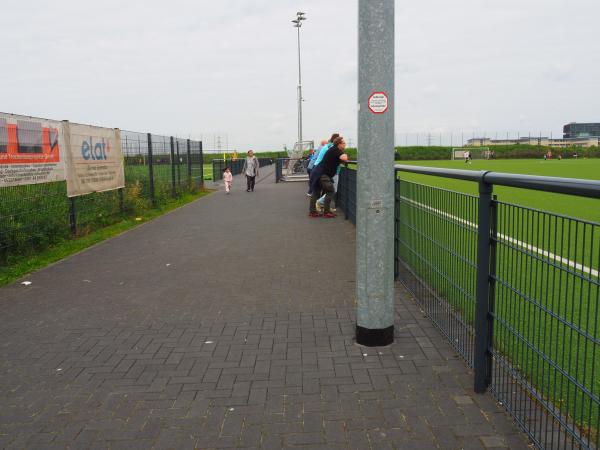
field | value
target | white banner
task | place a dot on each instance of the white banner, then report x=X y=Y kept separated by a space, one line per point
x=94 y=159
x=31 y=150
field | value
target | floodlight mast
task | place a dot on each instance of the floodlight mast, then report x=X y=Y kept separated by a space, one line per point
x=298 y=24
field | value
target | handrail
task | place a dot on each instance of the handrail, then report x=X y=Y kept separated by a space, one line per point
x=571 y=186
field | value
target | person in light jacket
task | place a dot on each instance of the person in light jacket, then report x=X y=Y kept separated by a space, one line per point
x=228 y=179
x=250 y=169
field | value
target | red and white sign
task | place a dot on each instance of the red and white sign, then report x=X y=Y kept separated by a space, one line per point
x=378 y=102
x=31 y=150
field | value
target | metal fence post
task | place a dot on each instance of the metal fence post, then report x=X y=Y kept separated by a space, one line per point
x=396 y=226
x=151 y=171
x=201 y=166
x=346 y=192
x=173 y=187
x=178 y=165
x=121 y=201
x=482 y=356
x=189 y=164
x=73 y=216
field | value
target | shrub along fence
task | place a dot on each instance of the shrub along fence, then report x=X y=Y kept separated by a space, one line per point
x=516 y=291
x=516 y=151
x=157 y=169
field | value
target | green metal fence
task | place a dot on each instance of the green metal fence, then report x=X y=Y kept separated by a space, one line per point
x=157 y=169
x=515 y=290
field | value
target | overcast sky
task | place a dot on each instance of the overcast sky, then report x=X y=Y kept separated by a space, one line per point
x=229 y=67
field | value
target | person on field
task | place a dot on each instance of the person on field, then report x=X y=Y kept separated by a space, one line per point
x=228 y=179
x=322 y=176
x=250 y=169
x=467 y=157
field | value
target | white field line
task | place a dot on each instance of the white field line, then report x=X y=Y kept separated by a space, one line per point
x=525 y=245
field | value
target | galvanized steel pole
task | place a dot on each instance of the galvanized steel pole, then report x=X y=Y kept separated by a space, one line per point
x=375 y=184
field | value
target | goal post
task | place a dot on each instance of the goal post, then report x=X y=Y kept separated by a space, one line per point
x=475 y=153
x=300 y=148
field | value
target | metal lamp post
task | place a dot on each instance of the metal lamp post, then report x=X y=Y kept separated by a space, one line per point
x=375 y=176
x=297 y=24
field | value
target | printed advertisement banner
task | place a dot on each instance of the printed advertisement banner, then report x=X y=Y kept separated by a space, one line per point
x=31 y=150
x=94 y=159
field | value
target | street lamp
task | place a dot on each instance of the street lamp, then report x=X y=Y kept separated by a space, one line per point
x=297 y=24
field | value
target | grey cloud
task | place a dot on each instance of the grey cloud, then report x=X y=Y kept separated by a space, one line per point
x=193 y=67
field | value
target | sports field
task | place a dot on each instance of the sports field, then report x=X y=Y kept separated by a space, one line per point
x=581 y=208
x=546 y=298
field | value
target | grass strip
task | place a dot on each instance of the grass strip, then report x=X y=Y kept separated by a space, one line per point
x=19 y=266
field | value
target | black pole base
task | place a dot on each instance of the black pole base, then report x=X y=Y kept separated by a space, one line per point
x=374 y=337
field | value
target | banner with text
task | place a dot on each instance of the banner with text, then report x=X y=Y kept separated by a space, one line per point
x=30 y=150
x=94 y=159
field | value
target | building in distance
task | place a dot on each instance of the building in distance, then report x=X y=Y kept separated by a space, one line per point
x=575 y=134
x=543 y=141
x=581 y=130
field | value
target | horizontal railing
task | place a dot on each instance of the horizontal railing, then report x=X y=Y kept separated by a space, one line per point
x=288 y=168
x=515 y=290
x=570 y=186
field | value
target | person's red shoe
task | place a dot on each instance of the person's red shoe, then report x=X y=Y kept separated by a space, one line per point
x=314 y=214
x=329 y=215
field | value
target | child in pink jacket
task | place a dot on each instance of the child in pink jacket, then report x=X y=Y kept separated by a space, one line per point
x=228 y=178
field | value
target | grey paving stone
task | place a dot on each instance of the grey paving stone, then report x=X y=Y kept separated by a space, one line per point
x=493 y=442
x=248 y=342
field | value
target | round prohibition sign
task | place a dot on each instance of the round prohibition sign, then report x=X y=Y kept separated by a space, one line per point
x=378 y=102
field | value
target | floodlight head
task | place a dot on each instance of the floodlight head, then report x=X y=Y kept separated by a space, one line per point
x=300 y=13
x=301 y=18
x=295 y=21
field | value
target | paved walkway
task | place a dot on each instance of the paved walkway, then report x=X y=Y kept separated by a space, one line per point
x=227 y=323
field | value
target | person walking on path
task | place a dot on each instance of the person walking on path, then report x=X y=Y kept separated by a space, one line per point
x=228 y=178
x=251 y=170
x=325 y=172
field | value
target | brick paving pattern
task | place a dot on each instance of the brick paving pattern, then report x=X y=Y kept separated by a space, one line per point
x=227 y=323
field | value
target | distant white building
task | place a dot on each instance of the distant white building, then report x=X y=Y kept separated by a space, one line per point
x=582 y=142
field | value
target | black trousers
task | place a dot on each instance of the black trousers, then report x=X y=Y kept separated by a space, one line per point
x=250 y=182
x=324 y=186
